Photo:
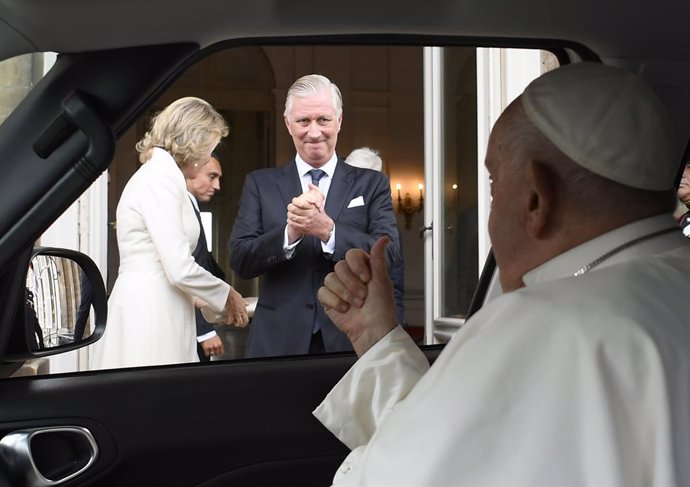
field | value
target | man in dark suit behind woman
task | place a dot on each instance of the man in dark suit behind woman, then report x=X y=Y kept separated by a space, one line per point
x=201 y=189
x=295 y=223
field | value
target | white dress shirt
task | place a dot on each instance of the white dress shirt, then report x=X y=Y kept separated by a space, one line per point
x=324 y=184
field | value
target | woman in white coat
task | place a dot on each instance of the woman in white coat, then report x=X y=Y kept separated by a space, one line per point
x=151 y=317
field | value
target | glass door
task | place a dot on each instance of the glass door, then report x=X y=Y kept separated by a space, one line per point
x=465 y=90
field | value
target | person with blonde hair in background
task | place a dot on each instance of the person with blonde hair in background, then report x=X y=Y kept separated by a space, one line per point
x=365 y=157
x=151 y=319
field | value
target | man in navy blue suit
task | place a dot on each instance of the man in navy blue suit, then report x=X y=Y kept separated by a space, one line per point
x=296 y=221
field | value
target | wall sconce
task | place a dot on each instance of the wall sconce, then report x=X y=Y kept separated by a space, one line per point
x=407 y=207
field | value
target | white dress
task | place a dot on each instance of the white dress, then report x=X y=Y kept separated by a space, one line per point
x=151 y=317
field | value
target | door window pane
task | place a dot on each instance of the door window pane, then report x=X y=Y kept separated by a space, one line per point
x=458 y=191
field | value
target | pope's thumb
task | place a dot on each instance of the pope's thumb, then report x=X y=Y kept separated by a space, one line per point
x=378 y=257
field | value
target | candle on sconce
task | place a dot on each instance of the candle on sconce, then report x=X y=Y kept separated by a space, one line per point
x=407 y=206
x=455 y=195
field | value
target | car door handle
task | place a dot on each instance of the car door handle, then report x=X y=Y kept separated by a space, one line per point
x=41 y=457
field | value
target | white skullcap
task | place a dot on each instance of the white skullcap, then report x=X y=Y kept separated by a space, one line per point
x=608 y=121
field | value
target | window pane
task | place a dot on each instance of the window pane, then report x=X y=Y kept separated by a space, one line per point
x=459 y=226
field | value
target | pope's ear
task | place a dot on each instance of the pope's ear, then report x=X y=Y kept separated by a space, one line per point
x=540 y=204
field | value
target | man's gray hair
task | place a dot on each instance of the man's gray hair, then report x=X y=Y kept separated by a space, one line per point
x=310 y=85
x=365 y=157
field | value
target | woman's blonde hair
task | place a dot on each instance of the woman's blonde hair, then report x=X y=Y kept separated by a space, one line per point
x=189 y=129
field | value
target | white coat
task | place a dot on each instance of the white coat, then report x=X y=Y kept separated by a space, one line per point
x=151 y=318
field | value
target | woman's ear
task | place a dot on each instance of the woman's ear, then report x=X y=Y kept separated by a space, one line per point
x=540 y=203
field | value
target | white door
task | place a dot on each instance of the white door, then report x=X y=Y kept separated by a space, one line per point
x=465 y=90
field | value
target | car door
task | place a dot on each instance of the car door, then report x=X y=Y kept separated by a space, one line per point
x=244 y=423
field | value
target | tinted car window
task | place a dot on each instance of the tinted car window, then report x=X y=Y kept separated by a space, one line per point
x=384 y=108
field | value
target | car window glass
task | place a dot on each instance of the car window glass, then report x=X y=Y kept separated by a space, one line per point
x=18 y=75
x=385 y=101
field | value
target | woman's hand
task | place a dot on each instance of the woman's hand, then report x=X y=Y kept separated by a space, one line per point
x=236 y=309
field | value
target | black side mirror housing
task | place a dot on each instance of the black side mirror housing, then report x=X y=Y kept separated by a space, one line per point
x=65 y=305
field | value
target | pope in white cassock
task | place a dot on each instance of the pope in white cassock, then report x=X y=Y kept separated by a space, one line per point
x=579 y=374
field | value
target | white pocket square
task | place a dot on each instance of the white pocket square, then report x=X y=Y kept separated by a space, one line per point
x=358 y=201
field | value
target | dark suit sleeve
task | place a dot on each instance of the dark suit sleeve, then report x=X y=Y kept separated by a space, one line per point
x=205 y=259
x=255 y=249
x=380 y=217
x=202 y=326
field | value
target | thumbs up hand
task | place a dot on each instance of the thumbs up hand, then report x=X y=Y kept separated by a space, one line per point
x=358 y=296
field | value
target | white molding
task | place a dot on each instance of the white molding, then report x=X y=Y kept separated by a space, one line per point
x=433 y=171
x=502 y=74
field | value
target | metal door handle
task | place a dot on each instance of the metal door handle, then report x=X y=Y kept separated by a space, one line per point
x=425 y=228
x=41 y=457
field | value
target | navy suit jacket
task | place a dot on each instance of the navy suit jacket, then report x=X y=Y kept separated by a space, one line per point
x=205 y=259
x=288 y=305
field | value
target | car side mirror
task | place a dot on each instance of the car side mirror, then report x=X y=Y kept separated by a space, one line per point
x=65 y=304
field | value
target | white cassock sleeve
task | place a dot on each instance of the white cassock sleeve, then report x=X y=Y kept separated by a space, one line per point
x=537 y=389
x=368 y=392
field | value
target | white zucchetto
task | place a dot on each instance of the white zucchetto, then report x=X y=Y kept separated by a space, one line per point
x=608 y=121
